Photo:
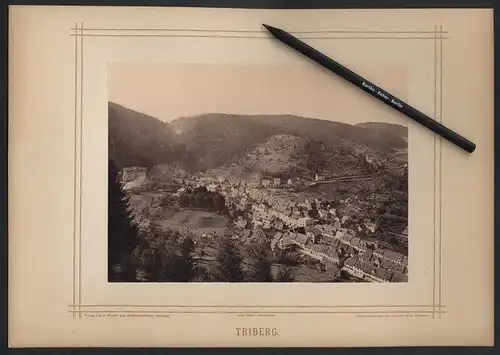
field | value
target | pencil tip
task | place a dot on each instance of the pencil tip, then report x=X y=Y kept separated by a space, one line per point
x=270 y=28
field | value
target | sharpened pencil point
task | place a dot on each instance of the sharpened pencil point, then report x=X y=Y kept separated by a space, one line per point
x=271 y=29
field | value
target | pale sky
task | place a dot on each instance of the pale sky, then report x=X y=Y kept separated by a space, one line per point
x=168 y=91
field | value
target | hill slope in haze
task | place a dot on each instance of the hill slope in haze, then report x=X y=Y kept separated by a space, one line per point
x=139 y=139
x=336 y=133
x=214 y=140
x=210 y=141
x=384 y=128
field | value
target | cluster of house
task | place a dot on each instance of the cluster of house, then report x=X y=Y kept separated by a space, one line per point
x=290 y=218
x=266 y=207
x=372 y=265
x=347 y=237
x=325 y=242
x=375 y=161
x=326 y=238
x=255 y=181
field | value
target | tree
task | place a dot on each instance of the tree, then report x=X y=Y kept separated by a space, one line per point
x=342 y=276
x=122 y=232
x=261 y=255
x=261 y=270
x=314 y=213
x=287 y=256
x=316 y=160
x=199 y=200
x=209 y=203
x=219 y=202
x=170 y=256
x=394 y=240
x=285 y=274
x=171 y=267
x=184 y=200
x=229 y=261
x=177 y=259
x=187 y=264
x=201 y=189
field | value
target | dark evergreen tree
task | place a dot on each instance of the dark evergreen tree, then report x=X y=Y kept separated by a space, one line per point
x=186 y=263
x=184 y=200
x=122 y=233
x=261 y=255
x=285 y=274
x=176 y=256
x=229 y=261
x=261 y=270
x=219 y=202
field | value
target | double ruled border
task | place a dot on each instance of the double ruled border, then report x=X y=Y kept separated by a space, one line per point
x=77 y=307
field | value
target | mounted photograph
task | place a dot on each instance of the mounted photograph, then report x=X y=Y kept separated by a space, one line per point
x=253 y=173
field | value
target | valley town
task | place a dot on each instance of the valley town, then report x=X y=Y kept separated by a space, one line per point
x=280 y=229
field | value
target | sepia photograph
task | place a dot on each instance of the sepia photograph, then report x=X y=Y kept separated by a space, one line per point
x=253 y=173
x=190 y=181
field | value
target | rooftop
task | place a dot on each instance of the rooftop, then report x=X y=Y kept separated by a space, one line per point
x=367 y=256
x=382 y=273
x=301 y=238
x=351 y=262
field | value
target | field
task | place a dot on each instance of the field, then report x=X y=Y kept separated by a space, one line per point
x=200 y=222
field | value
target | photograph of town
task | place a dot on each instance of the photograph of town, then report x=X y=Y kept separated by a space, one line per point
x=212 y=180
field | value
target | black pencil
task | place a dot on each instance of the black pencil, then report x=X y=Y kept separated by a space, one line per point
x=371 y=88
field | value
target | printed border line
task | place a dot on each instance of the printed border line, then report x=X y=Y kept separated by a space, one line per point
x=81 y=175
x=440 y=177
x=249 y=37
x=256 y=37
x=438 y=169
x=434 y=180
x=253 y=306
x=74 y=173
x=255 y=312
x=253 y=31
x=81 y=34
x=77 y=195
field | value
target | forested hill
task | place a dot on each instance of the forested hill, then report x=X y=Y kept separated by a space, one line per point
x=214 y=140
x=139 y=139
